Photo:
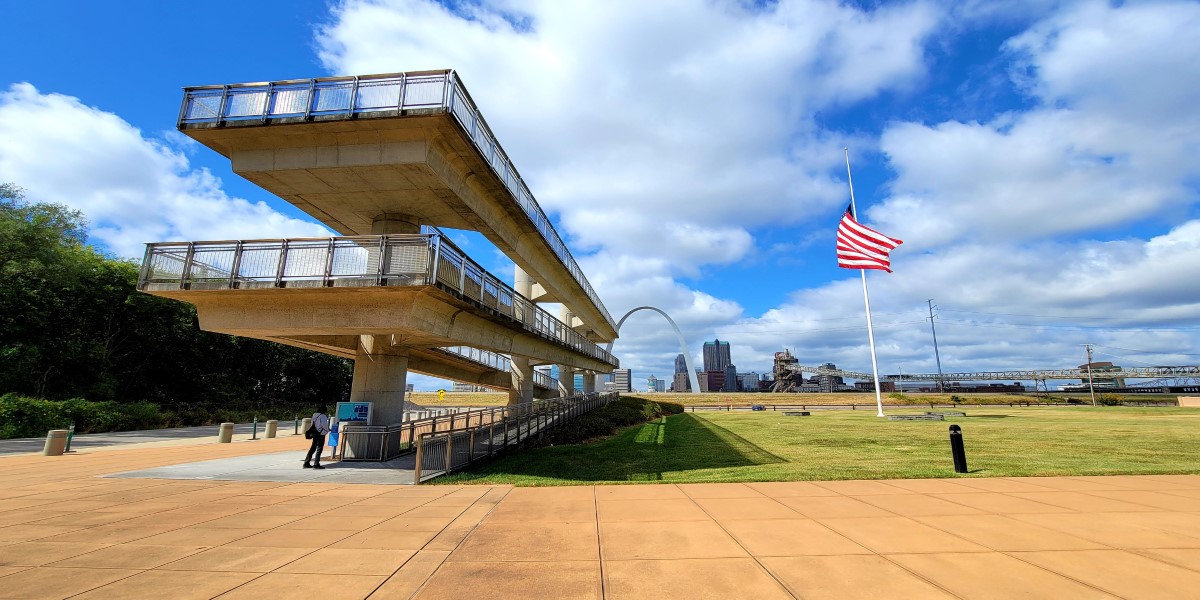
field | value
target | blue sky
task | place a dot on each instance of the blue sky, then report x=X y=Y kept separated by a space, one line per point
x=1036 y=157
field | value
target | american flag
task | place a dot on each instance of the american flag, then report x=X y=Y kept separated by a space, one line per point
x=860 y=247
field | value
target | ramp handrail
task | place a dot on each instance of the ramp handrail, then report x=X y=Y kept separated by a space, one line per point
x=439 y=453
x=397 y=439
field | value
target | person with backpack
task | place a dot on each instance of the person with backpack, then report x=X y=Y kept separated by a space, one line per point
x=317 y=432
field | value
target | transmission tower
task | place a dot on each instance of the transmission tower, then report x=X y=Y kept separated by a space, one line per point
x=936 y=355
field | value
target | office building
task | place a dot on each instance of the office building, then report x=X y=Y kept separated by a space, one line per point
x=731 y=380
x=716 y=356
x=748 y=382
x=622 y=380
x=654 y=384
x=680 y=364
x=681 y=383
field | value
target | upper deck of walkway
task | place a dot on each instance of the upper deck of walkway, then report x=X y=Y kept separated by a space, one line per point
x=349 y=149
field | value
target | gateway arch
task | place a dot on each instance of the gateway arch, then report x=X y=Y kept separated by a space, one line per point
x=679 y=334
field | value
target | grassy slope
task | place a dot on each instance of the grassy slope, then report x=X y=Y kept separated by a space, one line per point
x=767 y=446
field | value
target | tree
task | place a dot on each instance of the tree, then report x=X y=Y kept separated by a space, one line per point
x=72 y=324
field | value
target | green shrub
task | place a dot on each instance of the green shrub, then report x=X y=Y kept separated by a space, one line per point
x=21 y=416
x=608 y=420
x=1108 y=400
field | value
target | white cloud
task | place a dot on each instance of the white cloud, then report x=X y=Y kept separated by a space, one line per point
x=1006 y=307
x=133 y=189
x=1111 y=141
x=661 y=134
x=632 y=116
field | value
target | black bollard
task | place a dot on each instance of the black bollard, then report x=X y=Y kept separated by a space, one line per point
x=956 y=448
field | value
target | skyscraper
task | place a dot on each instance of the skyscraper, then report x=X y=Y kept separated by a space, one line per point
x=622 y=380
x=680 y=364
x=731 y=381
x=716 y=356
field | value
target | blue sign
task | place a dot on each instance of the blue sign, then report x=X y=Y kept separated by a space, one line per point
x=354 y=412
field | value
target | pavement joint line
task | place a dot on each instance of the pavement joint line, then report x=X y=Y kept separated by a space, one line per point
x=599 y=539
x=786 y=588
x=456 y=546
x=1016 y=555
x=314 y=550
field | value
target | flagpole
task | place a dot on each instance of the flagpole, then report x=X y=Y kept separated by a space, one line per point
x=866 y=297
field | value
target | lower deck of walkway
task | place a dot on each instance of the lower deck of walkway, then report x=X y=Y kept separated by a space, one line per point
x=68 y=530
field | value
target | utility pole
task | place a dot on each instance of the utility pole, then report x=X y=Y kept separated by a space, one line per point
x=936 y=355
x=1091 y=387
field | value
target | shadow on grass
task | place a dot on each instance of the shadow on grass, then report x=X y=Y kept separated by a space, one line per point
x=681 y=442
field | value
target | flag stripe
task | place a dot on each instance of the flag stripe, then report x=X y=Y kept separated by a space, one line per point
x=860 y=247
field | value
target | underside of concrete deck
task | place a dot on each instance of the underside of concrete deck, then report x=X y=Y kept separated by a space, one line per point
x=411 y=316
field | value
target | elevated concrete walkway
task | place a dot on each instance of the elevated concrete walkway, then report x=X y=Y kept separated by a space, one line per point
x=418 y=293
x=385 y=160
x=406 y=148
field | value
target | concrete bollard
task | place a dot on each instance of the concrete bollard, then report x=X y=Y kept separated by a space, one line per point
x=305 y=424
x=56 y=442
x=272 y=427
x=226 y=433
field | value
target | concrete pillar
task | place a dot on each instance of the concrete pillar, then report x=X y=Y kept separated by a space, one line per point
x=390 y=223
x=522 y=373
x=380 y=372
x=566 y=377
x=589 y=382
x=225 y=433
x=56 y=442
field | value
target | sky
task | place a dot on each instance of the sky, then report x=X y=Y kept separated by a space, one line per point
x=1038 y=158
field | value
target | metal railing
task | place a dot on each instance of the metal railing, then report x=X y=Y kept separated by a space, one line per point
x=543 y=379
x=442 y=452
x=385 y=442
x=333 y=97
x=498 y=362
x=487 y=358
x=359 y=261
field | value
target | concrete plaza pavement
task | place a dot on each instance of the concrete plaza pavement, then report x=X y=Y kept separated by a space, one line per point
x=66 y=530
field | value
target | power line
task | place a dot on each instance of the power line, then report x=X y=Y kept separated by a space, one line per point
x=973 y=312
x=1067 y=327
x=1147 y=351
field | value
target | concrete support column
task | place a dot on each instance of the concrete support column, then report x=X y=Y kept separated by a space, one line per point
x=391 y=223
x=566 y=376
x=589 y=382
x=380 y=372
x=522 y=372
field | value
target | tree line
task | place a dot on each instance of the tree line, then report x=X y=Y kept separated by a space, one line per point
x=74 y=326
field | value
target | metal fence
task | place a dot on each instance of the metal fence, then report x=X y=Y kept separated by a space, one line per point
x=358 y=261
x=442 y=452
x=347 y=96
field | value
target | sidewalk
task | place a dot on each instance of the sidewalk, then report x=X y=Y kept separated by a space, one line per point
x=173 y=436
x=67 y=532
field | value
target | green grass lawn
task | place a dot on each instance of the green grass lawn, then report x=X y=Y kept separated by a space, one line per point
x=768 y=446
